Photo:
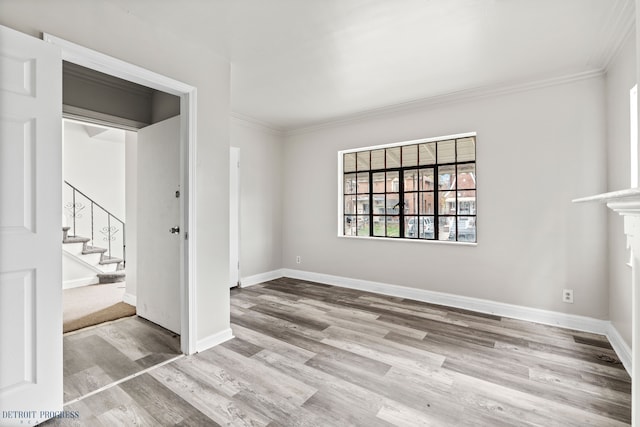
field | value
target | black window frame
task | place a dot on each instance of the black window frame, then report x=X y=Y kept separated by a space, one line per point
x=394 y=203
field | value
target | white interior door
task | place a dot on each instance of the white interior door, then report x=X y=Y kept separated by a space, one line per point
x=30 y=228
x=158 y=289
x=234 y=216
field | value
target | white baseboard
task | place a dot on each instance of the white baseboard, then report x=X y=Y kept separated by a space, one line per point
x=547 y=317
x=570 y=321
x=261 y=278
x=77 y=283
x=129 y=299
x=620 y=346
x=214 y=340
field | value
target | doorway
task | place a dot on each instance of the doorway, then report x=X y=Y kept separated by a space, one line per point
x=163 y=329
x=93 y=60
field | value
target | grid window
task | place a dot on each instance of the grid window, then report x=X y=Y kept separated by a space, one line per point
x=418 y=190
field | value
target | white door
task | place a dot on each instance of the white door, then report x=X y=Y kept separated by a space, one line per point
x=234 y=216
x=158 y=289
x=30 y=228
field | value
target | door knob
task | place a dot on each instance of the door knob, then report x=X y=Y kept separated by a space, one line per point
x=174 y=230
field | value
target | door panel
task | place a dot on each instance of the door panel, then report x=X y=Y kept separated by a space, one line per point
x=158 y=288
x=30 y=227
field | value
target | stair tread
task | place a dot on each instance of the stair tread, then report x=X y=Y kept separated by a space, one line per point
x=76 y=239
x=93 y=250
x=117 y=273
x=111 y=260
x=116 y=276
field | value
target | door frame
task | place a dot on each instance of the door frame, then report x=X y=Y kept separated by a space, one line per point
x=97 y=61
x=234 y=217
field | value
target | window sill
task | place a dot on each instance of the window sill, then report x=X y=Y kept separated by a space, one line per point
x=397 y=239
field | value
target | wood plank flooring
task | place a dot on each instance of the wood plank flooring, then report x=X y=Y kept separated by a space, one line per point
x=307 y=354
x=98 y=356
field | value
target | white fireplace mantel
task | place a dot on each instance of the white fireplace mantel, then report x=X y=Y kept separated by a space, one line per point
x=627 y=204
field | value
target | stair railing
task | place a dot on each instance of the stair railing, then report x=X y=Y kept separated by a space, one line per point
x=101 y=220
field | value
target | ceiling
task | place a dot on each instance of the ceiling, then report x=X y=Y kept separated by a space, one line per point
x=298 y=63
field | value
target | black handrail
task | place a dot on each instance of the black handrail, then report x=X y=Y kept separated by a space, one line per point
x=108 y=229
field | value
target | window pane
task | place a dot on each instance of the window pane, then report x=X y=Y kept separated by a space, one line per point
x=378 y=182
x=393 y=157
x=447 y=151
x=466 y=176
x=467 y=229
x=426 y=204
x=411 y=180
x=411 y=227
x=363 y=160
x=467 y=202
x=363 y=204
x=446 y=177
x=393 y=204
x=427 y=153
x=410 y=203
x=377 y=159
x=378 y=226
x=349 y=162
x=409 y=155
x=349 y=205
x=426 y=229
x=466 y=149
x=349 y=225
x=426 y=179
x=363 y=225
x=393 y=182
x=378 y=204
x=447 y=203
x=363 y=182
x=393 y=226
x=447 y=228
x=349 y=183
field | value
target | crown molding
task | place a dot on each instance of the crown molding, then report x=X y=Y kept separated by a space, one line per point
x=96 y=77
x=252 y=123
x=450 y=98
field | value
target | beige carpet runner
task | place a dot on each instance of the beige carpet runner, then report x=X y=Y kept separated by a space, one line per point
x=94 y=304
x=114 y=312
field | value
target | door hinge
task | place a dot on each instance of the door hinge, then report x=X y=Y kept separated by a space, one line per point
x=186 y=235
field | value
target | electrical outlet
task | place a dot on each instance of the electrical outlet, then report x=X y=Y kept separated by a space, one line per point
x=567 y=296
x=298 y=259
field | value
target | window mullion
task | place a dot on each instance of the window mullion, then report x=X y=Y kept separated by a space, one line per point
x=401 y=200
x=371 y=203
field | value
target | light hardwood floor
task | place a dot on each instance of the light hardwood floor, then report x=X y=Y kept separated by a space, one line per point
x=307 y=354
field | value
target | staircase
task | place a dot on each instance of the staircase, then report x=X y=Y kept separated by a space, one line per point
x=87 y=218
x=108 y=269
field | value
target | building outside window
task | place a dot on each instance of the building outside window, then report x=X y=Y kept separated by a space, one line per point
x=424 y=190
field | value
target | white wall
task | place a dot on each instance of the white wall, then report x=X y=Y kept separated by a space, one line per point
x=95 y=166
x=260 y=197
x=107 y=28
x=621 y=77
x=536 y=151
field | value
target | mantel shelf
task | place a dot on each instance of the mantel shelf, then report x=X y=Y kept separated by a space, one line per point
x=628 y=195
